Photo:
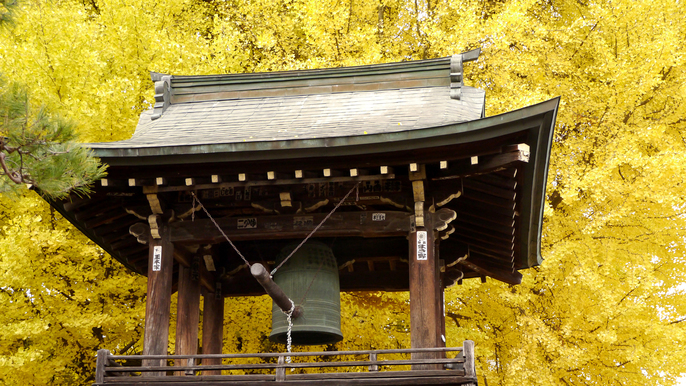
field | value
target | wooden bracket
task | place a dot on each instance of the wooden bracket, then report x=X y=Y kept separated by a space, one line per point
x=155 y=204
x=417 y=177
x=141 y=232
x=155 y=221
x=417 y=172
x=447 y=232
x=285 y=199
x=419 y=214
x=442 y=218
x=209 y=263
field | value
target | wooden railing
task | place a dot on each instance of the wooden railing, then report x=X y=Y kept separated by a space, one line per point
x=436 y=368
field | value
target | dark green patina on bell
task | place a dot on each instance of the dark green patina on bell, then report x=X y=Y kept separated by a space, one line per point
x=310 y=279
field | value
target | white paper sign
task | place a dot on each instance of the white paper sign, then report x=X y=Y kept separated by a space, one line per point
x=421 y=245
x=157 y=258
x=378 y=216
x=247 y=223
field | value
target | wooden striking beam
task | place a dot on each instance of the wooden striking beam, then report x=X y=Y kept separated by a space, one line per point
x=273 y=290
x=349 y=224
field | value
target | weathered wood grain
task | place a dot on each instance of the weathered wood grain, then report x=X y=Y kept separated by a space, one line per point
x=188 y=312
x=158 y=300
x=292 y=227
x=423 y=303
x=212 y=328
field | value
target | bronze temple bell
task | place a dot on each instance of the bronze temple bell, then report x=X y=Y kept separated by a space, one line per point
x=310 y=279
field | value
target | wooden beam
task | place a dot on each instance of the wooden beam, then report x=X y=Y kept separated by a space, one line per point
x=424 y=281
x=188 y=313
x=158 y=300
x=487 y=164
x=293 y=227
x=243 y=182
x=243 y=284
x=213 y=328
x=273 y=290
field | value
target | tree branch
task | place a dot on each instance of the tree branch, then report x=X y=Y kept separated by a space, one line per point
x=14 y=176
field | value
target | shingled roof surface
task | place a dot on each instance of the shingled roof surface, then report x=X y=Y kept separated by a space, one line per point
x=304 y=116
x=301 y=105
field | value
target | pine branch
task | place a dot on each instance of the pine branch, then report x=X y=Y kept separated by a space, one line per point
x=39 y=148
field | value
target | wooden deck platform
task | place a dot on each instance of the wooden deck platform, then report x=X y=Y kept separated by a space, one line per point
x=433 y=366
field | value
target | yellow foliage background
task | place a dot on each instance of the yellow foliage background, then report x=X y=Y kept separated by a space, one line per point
x=606 y=306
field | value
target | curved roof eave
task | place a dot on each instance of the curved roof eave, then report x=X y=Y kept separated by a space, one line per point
x=485 y=128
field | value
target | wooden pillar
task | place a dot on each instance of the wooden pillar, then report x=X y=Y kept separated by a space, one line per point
x=213 y=328
x=188 y=312
x=424 y=281
x=158 y=300
x=440 y=299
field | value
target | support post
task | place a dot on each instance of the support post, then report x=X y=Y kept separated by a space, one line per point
x=469 y=363
x=212 y=328
x=440 y=300
x=424 y=281
x=100 y=363
x=158 y=300
x=188 y=312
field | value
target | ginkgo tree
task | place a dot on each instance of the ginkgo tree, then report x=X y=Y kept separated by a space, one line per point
x=607 y=304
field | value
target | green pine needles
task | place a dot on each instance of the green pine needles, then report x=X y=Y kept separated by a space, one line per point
x=39 y=149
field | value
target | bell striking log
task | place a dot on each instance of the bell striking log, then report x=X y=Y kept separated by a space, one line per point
x=310 y=279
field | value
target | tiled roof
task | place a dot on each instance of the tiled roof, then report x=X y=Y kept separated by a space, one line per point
x=205 y=114
x=303 y=117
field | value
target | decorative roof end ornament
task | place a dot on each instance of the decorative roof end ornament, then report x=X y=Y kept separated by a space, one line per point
x=456 y=71
x=162 y=93
x=456 y=79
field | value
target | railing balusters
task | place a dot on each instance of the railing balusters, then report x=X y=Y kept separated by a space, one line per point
x=462 y=366
x=100 y=364
x=191 y=362
x=372 y=358
x=281 y=371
